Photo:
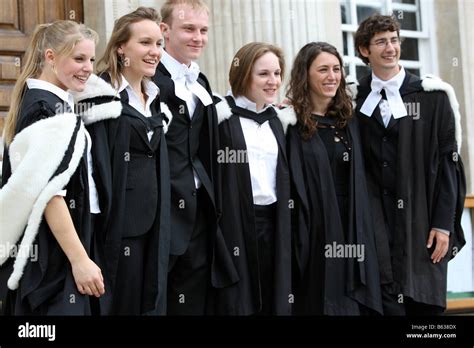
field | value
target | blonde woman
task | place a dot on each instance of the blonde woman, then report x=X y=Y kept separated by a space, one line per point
x=48 y=194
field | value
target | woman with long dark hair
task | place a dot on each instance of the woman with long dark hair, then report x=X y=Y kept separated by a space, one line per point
x=334 y=238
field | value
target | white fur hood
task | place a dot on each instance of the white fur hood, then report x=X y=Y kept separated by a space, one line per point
x=434 y=83
x=90 y=107
x=286 y=116
x=35 y=154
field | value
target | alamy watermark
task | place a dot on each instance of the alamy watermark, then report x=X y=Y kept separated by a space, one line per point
x=350 y=251
x=37 y=331
x=14 y=250
x=227 y=155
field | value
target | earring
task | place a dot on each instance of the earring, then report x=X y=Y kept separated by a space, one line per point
x=122 y=58
x=53 y=67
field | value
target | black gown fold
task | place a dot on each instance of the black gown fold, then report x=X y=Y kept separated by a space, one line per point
x=333 y=283
x=239 y=224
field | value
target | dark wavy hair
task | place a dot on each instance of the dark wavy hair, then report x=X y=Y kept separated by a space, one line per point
x=298 y=92
x=369 y=27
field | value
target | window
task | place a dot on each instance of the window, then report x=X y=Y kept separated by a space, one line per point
x=417 y=56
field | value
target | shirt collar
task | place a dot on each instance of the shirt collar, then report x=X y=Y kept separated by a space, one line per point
x=392 y=90
x=50 y=87
x=151 y=89
x=174 y=67
x=399 y=77
x=245 y=103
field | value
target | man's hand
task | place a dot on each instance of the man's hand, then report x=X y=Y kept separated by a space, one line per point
x=442 y=245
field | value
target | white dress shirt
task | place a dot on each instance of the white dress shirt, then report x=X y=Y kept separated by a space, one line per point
x=151 y=90
x=68 y=98
x=262 y=154
x=185 y=82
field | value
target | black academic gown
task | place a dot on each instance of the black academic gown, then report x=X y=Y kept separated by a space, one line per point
x=331 y=284
x=238 y=223
x=47 y=286
x=133 y=203
x=416 y=182
x=204 y=146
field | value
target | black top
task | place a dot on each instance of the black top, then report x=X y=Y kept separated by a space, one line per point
x=339 y=148
x=324 y=219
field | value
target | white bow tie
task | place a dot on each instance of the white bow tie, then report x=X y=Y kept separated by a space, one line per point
x=190 y=75
x=394 y=99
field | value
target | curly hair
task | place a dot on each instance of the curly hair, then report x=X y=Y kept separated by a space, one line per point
x=298 y=92
x=369 y=27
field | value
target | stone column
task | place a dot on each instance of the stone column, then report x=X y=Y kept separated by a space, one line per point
x=466 y=34
x=455 y=58
x=289 y=24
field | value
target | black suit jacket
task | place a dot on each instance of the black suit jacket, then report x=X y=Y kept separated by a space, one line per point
x=141 y=187
x=193 y=144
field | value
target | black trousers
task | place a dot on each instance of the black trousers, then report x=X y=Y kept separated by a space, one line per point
x=136 y=284
x=189 y=274
x=265 y=229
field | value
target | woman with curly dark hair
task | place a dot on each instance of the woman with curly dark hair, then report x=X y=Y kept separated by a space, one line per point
x=333 y=229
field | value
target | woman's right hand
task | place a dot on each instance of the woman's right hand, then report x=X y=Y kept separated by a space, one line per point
x=88 y=277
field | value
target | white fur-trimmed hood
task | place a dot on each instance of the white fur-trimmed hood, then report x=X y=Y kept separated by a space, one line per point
x=95 y=87
x=37 y=149
x=222 y=107
x=433 y=83
x=92 y=109
x=286 y=116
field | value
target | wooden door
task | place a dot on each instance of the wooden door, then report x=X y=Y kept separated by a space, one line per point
x=18 y=19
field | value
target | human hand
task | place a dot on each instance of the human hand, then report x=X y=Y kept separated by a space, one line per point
x=442 y=245
x=88 y=277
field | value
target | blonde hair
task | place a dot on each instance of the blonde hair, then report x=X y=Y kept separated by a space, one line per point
x=110 y=61
x=240 y=73
x=60 y=36
x=169 y=5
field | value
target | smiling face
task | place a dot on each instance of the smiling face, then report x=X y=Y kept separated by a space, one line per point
x=186 y=36
x=265 y=81
x=324 y=76
x=71 y=72
x=383 y=58
x=142 y=52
